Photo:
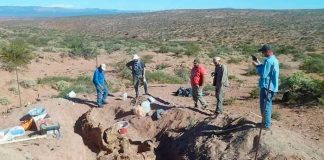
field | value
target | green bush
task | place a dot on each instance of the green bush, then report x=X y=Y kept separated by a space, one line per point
x=28 y=83
x=81 y=84
x=61 y=85
x=162 y=66
x=80 y=47
x=251 y=71
x=147 y=59
x=301 y=89
x=232 y=77
x=314 y=64
x=191 y=49
x=276 y=115
x=254 y=93
x=208 y=88
x=124 y=72
x=183 y=73
x=229 y=101
x=4 y=101
x=235 y=60
x=163 y=77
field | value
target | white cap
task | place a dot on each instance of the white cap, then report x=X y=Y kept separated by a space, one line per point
x=217 y=58
x=103 y=67
x=135 y=56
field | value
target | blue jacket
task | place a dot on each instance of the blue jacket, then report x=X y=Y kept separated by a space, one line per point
x=99 y=77
x=264 y=73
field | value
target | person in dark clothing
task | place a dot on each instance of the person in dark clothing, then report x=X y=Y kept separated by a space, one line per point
x=99 y=80
x=138 y=71
x=220 y=82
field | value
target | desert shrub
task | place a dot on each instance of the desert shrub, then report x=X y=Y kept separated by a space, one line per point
x=229 y=101
x=114 y=85
x=254 y=93
x=147 y=59
x=232 y=77
x=14 y=90
x=301 y=89
x=111 y=47
x=183 y=73
x=251 y=71
x=124 y=72
x=163 y=77
x=284 y=66
x=164 y=49
x=4 y=101
x=28 y=83
x=81 y=84
x=219 y=50
x=80 y=47
x=284 y=49
x=234 y=60
x=191 y=49
x=247 y=49
x=209 y=87
x=52 y=80
x=61 y=85
x=162 y=66
x=310 y=48
x=314 y=63
x=276 y=115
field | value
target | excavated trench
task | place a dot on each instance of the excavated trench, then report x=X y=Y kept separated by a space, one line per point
x=174 y=136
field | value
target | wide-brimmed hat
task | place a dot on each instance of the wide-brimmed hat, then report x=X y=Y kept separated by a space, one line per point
x=135 y=56
x=103 y=67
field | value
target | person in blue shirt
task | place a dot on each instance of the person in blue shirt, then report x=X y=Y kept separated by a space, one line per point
x=99 y=80
x=268 y=82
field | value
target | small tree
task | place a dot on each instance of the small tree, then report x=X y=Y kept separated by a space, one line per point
x=16 y=56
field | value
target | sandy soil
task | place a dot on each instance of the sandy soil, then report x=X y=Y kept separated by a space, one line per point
x=306 y=122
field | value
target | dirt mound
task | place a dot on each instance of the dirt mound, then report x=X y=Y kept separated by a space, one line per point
x=184 y=133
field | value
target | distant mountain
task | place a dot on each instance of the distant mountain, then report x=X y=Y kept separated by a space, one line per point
x=35 y=11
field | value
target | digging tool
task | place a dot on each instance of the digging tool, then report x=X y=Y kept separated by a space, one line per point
x=265 y=105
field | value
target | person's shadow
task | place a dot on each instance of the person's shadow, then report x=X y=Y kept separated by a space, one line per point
x=91 y=104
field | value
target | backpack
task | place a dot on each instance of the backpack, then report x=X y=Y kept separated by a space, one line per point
x=184 y=92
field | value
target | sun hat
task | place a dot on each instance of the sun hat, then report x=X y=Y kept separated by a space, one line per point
x=103 y=67
x=135 y=56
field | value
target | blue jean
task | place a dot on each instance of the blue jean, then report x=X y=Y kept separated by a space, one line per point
x=266 y=108
x=102 y=94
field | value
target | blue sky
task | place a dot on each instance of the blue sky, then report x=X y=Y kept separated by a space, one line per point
x=170 y=4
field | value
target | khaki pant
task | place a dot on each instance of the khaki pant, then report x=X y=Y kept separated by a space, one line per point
x=197 y=96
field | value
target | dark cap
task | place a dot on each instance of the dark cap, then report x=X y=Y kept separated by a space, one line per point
x=197 y=60
x=265 y=48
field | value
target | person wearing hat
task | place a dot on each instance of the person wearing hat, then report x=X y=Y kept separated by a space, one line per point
x=137 y=67
x=99 y=80
x=220 y=82
x=197 y=79
x=268 y=82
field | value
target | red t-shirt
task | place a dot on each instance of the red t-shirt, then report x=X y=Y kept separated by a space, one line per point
x=197 y=75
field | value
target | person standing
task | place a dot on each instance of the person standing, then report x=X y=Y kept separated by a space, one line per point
x=268 y=82
x=99 y=80
x=198 y=73
x=220 y=82
x=137 y=67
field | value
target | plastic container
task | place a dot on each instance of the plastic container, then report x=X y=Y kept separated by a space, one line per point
x=146 y=105
x=37 y=111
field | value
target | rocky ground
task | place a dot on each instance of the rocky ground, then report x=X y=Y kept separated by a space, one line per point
x=183 y=132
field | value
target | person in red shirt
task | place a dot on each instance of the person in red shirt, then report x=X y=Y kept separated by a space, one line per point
x=197 y=78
